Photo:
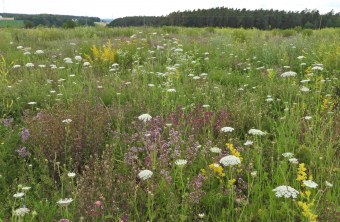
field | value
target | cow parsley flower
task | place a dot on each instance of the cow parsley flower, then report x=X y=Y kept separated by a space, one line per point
x=310 y=183
x=215 y=150
x=256 y=132
x=145 y=174
x=227 y=129
x=67 y=121
x=248 y=143
x=288 y=155
x=230 y=160
x=181 y=162
x=65 y=202
x=304 y=89
x=285 y=191
x=293 y=160
x=20 y=212
x=288 y=74
x=18 y=195
x=71 y=174
x=145 y=117
x=29 y=64
x=328 y=184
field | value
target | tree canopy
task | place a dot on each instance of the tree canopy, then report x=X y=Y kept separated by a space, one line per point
x=237 y=18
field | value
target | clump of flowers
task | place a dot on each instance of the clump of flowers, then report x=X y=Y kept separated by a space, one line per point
x=145 y=117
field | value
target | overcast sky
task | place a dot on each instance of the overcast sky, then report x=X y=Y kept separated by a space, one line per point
x=121 y=8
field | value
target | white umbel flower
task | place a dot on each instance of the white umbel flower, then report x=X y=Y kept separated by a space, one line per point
x=181 y=162
x=227 y=129
x=230 y=160
x=18 y=195
x=67 y=121
x=215 y=150
x=20 y=212
x=310 y=183
x=145 y=174
x=288 y=74
x=288 y=155
x=293 y=160
x=145 y=117
x=285 y=191
x=328 y=184
x=256 y=132
x=248 y=143
x=65 y=202
x=304 y=89
x=71 y=174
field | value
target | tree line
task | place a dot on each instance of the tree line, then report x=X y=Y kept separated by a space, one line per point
x=237 y=18
x=49 y=20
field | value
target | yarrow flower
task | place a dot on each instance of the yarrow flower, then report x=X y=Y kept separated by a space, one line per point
x=285 y=191
x=181 y=162
x=256 y=132
x=65 y=202
x=227 y=129
x=230 y=160
x=145 y=117
x=145 y=174
x=310 y=183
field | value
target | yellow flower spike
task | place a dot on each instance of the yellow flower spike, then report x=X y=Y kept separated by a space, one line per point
x=302 y=175
x=216 y=168
x=233 y=151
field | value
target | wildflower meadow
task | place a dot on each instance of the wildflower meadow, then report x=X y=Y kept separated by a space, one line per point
x=169 y=124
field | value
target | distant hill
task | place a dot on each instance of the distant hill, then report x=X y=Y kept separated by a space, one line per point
x=50 y=20
x=236 y=18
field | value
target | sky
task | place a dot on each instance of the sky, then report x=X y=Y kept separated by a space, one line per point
x=121 y=8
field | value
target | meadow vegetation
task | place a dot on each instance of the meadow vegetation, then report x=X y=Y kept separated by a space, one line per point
x=169 y=124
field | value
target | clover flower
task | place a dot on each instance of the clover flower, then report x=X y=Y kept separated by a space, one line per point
x=230 y=160
x=285 y=191
x=145 y=174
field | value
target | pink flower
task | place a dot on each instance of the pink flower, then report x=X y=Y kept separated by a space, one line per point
x=98 y=203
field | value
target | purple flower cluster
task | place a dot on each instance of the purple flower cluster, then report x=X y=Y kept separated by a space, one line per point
x=23 y=152
x=24 y=134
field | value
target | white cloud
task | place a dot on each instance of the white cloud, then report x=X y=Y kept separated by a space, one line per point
x=109 y=8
